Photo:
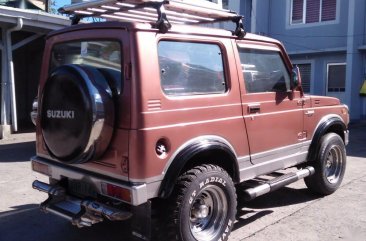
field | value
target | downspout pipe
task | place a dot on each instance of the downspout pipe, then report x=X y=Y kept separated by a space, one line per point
x=10 y=63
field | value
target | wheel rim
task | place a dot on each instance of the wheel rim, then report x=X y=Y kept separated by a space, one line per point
x=208 y=213
x=333 y=164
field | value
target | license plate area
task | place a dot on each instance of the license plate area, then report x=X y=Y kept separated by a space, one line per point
x=81 y=188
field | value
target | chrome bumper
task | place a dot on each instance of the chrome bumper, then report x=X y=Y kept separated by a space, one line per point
x=81 y=213
x=138 y=192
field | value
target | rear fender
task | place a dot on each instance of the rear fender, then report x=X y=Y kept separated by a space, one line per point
x=187 y=157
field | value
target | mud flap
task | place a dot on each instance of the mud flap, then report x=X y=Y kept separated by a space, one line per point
x=141 y=221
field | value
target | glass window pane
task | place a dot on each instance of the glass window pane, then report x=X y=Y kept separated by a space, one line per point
x=312 y=11
x=191 y=68
x=264 y=71
x=99 y=54
x=329 y=10
x=336 y=78
x=297 y=11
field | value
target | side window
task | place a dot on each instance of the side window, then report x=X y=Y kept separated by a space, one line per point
x=263 y=71
x=188 y=68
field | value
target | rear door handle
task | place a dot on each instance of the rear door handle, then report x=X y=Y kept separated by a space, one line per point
x=254 y=108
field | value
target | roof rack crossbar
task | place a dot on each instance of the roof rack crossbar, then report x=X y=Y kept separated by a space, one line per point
x=162 y=22
x=190 y=13
x=238 y=20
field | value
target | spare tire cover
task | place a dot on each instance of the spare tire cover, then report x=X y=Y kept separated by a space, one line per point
x=77 y=113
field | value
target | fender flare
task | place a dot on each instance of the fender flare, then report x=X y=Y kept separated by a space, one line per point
x=187 y=152
x=323 y=128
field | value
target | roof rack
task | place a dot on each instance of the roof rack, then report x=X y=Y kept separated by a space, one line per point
x=160 y=13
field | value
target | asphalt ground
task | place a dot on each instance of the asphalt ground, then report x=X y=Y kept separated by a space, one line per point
x=291 y=213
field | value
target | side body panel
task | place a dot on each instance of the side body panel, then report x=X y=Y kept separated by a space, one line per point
x=274 y=122
x=176 y=120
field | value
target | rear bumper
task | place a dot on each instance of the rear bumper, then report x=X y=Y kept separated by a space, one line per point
x=80 y=212
x=138 y=193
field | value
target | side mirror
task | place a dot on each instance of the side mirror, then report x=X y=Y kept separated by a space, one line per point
x=296 y=80
x=296 y=77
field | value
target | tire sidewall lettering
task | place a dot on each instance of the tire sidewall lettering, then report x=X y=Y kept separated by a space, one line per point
x=202 y=184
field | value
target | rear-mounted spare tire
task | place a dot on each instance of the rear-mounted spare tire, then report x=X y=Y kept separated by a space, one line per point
x=77 y=113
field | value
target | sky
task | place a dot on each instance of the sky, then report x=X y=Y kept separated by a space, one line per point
x=61 y=3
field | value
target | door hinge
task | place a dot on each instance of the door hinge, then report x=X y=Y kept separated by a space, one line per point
x=128 y=71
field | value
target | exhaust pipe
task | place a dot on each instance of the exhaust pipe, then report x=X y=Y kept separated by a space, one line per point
x=80 y=212
x=277 y=183
x=52 y=190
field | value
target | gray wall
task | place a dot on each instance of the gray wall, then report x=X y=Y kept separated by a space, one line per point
x=319 y=68
x=318 y=44
x=273 y=19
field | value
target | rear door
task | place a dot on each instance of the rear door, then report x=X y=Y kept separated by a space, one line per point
x=272 y=112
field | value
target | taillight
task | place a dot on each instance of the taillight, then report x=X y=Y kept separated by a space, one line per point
x=117 y=192
x=41 y=168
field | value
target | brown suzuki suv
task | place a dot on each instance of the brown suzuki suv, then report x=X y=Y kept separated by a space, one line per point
x=149 y=118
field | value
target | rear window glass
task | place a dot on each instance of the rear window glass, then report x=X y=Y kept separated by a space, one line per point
x=188 y=68
x=99 y=54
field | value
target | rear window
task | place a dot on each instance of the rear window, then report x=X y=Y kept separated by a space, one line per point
x=99 y=54
x=188 y=68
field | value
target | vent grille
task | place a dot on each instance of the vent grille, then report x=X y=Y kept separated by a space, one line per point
x=154 y=105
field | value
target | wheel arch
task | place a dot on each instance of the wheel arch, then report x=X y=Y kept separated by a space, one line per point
x=328 y=124
x=202 y=150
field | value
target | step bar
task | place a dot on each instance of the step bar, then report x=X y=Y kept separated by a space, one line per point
x=81 y=213
x=278 y=182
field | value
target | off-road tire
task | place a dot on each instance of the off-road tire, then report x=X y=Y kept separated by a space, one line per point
x=329 y=165
x=202 y=205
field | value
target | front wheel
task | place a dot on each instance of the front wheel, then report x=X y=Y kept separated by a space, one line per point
x=203 y=205
x=330 y=165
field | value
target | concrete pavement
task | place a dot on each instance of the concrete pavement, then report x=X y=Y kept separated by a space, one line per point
x=291 y=213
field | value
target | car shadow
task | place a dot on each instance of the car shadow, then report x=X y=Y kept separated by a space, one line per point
x=28 y=223
x=250 y=211
x=357 y=140
x=17 y=152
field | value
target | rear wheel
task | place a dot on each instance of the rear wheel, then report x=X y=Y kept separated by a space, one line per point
x=203 y=205
x=330 y=165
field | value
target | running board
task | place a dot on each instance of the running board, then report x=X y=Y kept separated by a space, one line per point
x=277 y=183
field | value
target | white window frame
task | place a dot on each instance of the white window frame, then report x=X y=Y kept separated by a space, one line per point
x=208 y=3
x=205 y=3
x=303 y=22
x=327 y=82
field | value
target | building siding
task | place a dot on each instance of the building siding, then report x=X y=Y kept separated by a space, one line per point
x=342 y=40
